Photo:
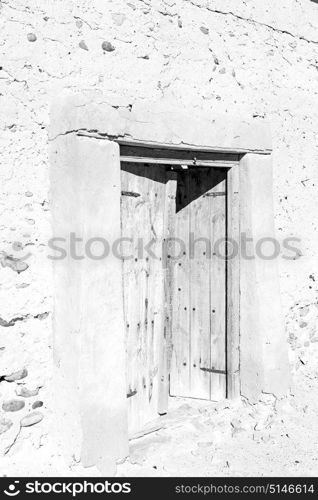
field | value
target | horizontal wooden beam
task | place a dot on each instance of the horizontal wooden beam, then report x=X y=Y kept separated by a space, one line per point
x=178 y=162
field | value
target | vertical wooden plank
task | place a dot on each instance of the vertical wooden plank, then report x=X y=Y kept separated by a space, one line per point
x=217 y=198
x=153 y=302
x=233 y=280
x=166 y=347
x=180 y=359
x=142 y=218
x=199 y=282
x=157 y=334
x=131 y=205
x=141 y=226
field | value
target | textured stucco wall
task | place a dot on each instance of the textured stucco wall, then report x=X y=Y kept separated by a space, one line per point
x=88 y=310
x=257 y=57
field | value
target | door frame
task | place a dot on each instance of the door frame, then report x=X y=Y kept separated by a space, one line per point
x=85 y=135
x=233 y=286
x=134 y=153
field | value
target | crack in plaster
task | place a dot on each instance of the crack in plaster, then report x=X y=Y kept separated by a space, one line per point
x=259 y=23
x=126 y=138
x=83 y=132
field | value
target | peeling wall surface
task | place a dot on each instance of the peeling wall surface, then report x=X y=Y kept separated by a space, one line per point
x=253 y=58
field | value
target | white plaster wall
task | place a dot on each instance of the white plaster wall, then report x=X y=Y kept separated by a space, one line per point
x=252 y=57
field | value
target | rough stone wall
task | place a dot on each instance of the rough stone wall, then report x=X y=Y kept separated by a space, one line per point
x=252 y=57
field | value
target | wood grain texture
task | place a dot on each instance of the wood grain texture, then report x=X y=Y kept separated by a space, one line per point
x=143 y=280
x=233 y=287
x=165 y=339
x=180 y=265
x=198 y=368
x=174 y=304
x=218 y=289
x=200 y=282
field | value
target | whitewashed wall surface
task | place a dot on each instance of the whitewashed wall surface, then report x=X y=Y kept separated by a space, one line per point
x=244 y=57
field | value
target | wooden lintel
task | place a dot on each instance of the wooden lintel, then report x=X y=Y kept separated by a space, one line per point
x=178 y=161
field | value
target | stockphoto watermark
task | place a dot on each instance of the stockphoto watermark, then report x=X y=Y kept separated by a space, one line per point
x=173 y=248
x=164 y=249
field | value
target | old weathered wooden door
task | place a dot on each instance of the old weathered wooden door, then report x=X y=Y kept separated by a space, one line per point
x=148 y=194
x=198 y=364
x=174 y=302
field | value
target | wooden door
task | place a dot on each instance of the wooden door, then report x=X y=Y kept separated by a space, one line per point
x=174 y=309
x=198 y=364
x=145 y=207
